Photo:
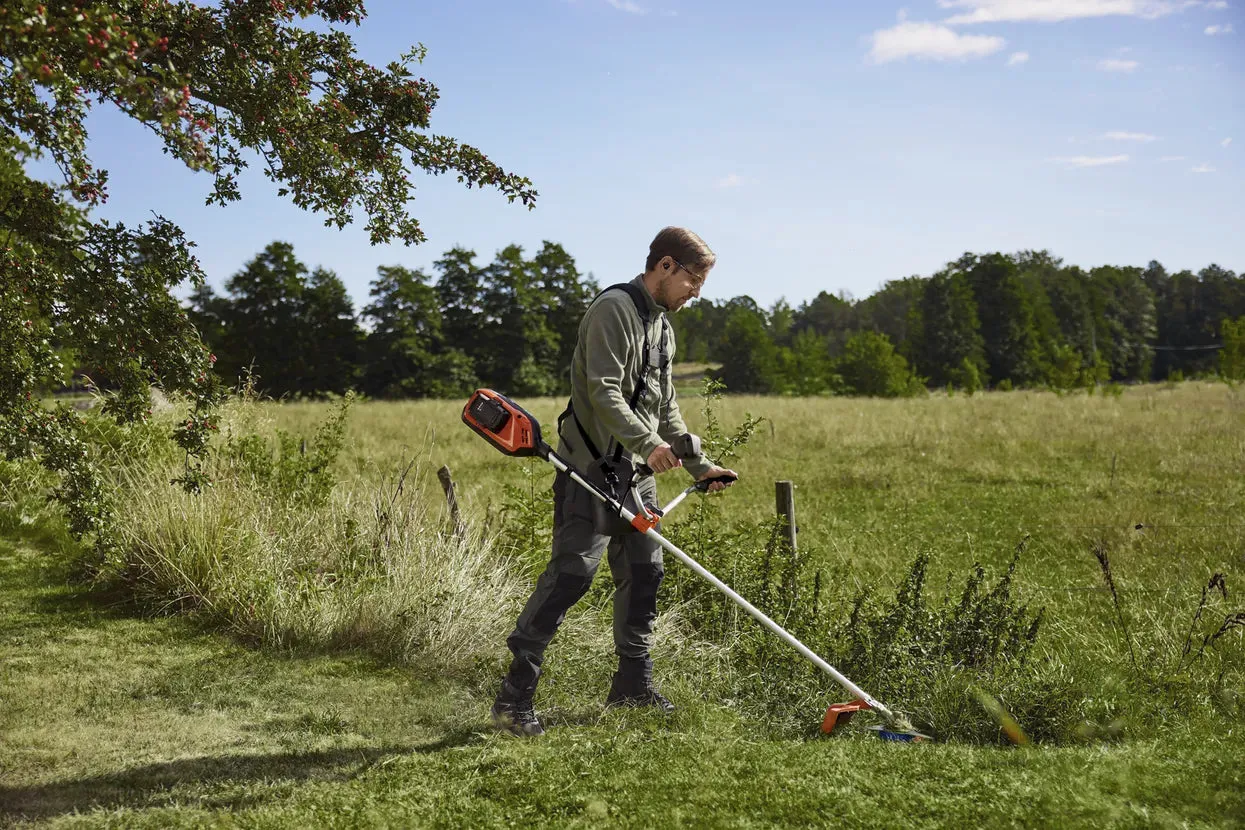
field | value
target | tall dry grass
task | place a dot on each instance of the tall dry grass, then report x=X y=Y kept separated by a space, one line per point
x=374 y=567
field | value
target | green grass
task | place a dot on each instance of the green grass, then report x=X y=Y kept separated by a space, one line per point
x=111 y=717
x=113 y=720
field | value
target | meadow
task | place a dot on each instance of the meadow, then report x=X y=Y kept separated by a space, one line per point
x=312 y=641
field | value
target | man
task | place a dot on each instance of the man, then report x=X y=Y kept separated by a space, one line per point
x=621 y=394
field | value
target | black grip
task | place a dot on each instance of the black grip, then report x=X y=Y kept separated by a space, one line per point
x=725 y=479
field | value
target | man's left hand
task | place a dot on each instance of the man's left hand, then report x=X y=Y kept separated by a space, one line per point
x=715 y=472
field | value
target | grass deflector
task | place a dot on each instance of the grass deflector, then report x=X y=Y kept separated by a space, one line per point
x=515 y=432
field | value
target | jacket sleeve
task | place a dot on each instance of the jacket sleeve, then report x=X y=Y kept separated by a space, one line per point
x=670 y=424
x=609 y=342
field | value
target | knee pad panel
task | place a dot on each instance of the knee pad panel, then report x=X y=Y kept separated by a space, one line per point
x=646 y=578
x=567 y=590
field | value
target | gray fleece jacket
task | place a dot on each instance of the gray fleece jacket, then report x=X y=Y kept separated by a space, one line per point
x=604 y=370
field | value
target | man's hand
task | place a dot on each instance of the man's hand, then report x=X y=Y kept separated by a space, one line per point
x=663 y=459
x=716 y=472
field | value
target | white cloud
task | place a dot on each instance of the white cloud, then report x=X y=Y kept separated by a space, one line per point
x=1225 y=142
x=1120 y=135
x=1116 y=65
x=1172 y=158
x=733 y=180
x=1054 y=11
x=1018 y=58
x=1225 y=29
x=929 y=40
x=1203 y=168
x=626 y=6
x=1091 y=161
x=1217 y=4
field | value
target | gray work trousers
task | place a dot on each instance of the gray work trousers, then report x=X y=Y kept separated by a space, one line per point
x=635 y=563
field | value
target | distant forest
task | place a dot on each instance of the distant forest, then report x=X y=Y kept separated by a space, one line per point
x=983 y=321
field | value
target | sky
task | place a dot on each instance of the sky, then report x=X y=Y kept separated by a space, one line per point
x=815 y=146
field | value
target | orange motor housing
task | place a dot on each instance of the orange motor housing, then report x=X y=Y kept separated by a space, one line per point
x=504 y=424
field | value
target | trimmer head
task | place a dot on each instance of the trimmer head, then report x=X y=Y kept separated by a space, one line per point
x=902 y=736
x=840 y=713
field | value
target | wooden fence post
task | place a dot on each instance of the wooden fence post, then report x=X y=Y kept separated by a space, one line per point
x=784 y=499
x=447 y=483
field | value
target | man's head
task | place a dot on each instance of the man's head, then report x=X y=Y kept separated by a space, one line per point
x=678 y=263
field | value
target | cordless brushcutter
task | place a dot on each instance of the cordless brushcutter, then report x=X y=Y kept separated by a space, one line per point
x=515 y=432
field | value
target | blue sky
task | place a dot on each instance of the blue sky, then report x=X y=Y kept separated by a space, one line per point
x=814 y=145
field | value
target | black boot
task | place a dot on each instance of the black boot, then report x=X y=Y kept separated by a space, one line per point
x=633 y=686
x=513 y=710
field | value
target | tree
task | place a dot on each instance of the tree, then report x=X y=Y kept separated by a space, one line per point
x=870 y=366
x=263 y=321
x=894 y=310
x=1035 y=269
x=1124 y=321
x=331 y=341
x=827 y=315
x=214 y=83
x=521 y=346
x=1006 y=320
x=93 y=294
x=809 y=369
x=749 y=357
x=692 y=330
x=949 y=330
x=567 y=295
x=779 y=321
x=460 y=291
x=1232 y=355
x=406 y=352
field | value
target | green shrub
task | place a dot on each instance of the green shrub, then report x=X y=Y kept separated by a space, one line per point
x=870 y=365
x=290 y=471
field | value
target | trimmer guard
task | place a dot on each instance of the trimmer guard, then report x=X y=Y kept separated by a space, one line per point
x=840 y=713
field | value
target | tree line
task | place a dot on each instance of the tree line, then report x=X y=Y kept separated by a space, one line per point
x=509 y=324
x=983 y=321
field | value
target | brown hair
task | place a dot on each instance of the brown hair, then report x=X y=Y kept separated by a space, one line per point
x=683 y=247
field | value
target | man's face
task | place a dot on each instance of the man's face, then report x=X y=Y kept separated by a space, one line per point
x=681 y=286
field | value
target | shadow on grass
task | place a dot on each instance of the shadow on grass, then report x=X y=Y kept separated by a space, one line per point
x=158 y=785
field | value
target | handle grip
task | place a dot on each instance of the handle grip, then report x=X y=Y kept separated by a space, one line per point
x=685 y=446
x=725 y=479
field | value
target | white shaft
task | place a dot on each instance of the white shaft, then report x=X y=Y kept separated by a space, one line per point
x=674 y=502
x=755 y=612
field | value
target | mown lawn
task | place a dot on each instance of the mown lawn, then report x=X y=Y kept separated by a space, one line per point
x=111 y=720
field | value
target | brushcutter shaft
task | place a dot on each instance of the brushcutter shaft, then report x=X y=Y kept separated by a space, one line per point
x=752 y=610
x=760 y=617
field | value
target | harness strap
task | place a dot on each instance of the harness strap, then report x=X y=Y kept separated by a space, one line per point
x=641 y=307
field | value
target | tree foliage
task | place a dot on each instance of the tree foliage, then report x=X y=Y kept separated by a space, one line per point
x=221 y=85
x=1232 y=356
x=511 y=324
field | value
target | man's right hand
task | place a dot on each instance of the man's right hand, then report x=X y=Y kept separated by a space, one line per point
x=663 y=459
